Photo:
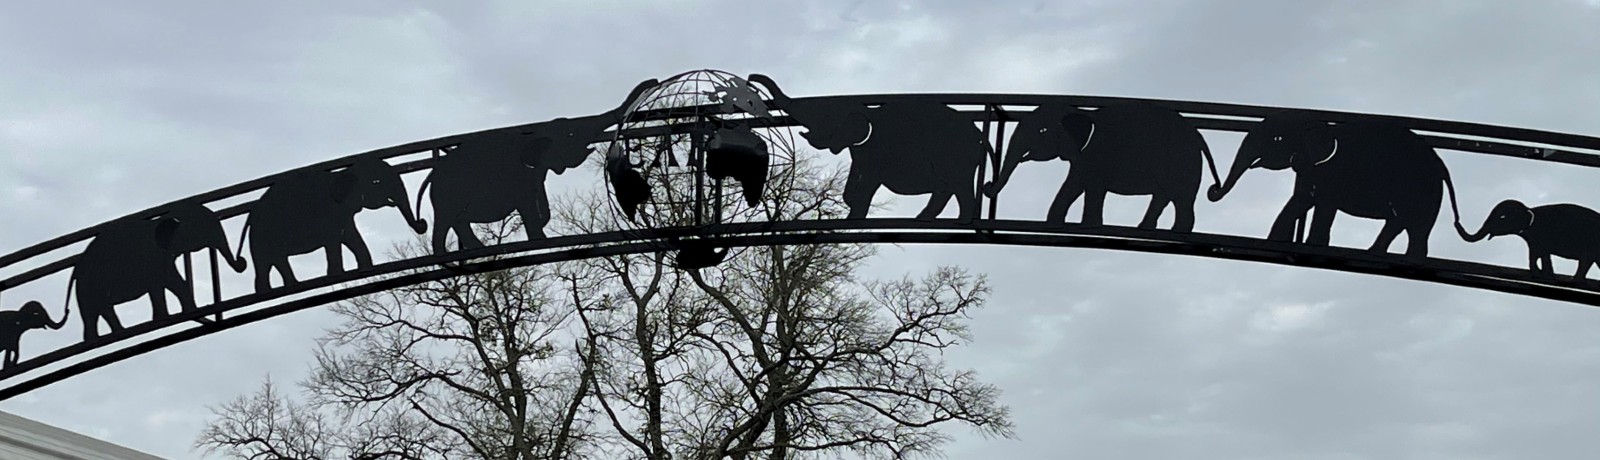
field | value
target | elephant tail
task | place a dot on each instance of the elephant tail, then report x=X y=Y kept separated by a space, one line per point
x=421 y=189
x=426 y=181
x=238 y=252
x=1211 y=163
x=1454 y=207
x=66 y=300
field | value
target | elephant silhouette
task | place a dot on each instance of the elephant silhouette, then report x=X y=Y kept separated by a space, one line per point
x=910 y=147
x=134 y=258
x=627 y=183
x=15 y=322
x=313 y=209
x=1373 y=170
x=1126 y=149
x=1562 y=229
x=487 y=177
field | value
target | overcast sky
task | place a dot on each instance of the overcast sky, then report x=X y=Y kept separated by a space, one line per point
x=111 y=107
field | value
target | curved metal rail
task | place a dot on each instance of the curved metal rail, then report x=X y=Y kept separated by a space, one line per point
x=1535 y=145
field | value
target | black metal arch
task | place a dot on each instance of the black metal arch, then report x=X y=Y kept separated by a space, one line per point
x=1354 y=163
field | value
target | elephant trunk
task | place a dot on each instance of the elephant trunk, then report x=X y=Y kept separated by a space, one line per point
x=1242 y=162
x=418 y=224
x=235 y=261
x=1474 y=237
x=58 y=324
x=1014 y=157
x=777 y=93
x=633 y=97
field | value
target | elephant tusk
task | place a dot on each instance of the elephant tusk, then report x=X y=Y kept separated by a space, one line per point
x=865 y=139
x=1331 y=154
x=1092 y=129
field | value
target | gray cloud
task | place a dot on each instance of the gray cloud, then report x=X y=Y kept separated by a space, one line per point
x=112 y=108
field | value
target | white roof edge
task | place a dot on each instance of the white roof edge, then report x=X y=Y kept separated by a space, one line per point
x=57 y=442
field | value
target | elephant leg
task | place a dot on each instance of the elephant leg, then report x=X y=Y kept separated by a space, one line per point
x=936 y=204
x=1291 y=221
x=91 y=321
x=465 y=238
x=287 y=272
x=1094 y=203
x=1583 y=270
x=536 y=215
x=441 y=231
x=1321 y=226
x=1284 y=228
x=1417 y=240
x=358 y=248
x=1152 y=214
x=180 y=289
x=335 y=257
x=158 y=303
x=858 y=192
x=1549 y=267
x=1071 y=189
x=112 y=321
x=1386 y=236
x=263 y=274
x=966 y=206
x=1183 y=221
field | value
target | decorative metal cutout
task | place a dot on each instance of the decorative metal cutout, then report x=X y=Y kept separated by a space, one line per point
x=13 y=323
x=1375 y=170
x=688 y=161
x=486 y=178
x=305 y=211
x=911 y=147
x=1563 y=229
x=1126 y=149
x=136 y=258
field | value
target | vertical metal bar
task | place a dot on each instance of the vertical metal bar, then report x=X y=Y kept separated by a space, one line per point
x=188 y=272
x=717 y=210
x=996 y=156
x=988 y=120
x=698 y=165
x=216 y=283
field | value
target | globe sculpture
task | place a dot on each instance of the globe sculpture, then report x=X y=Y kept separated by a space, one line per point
x=698 y=149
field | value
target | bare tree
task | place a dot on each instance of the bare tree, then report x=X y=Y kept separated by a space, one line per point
x=467 y=367
x=779 y=352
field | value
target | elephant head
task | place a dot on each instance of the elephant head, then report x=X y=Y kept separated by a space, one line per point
x=371 y=183
x=563 y=143
x=1508 y=218
x=830 y=125
x=190 y=227
x=1047 y=133
x=33 y=316
x=1277 y=143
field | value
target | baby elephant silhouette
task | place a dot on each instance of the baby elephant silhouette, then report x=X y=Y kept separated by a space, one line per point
x=1565 y=230
x=15 y=322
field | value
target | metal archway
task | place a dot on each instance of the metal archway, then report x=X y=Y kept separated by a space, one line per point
x=952 y=147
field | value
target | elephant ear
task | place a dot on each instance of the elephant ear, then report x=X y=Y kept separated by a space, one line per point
x=344 y=185
x=1079 y=129
x=537 y=150
x=1317 y=145
x=166 y=231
